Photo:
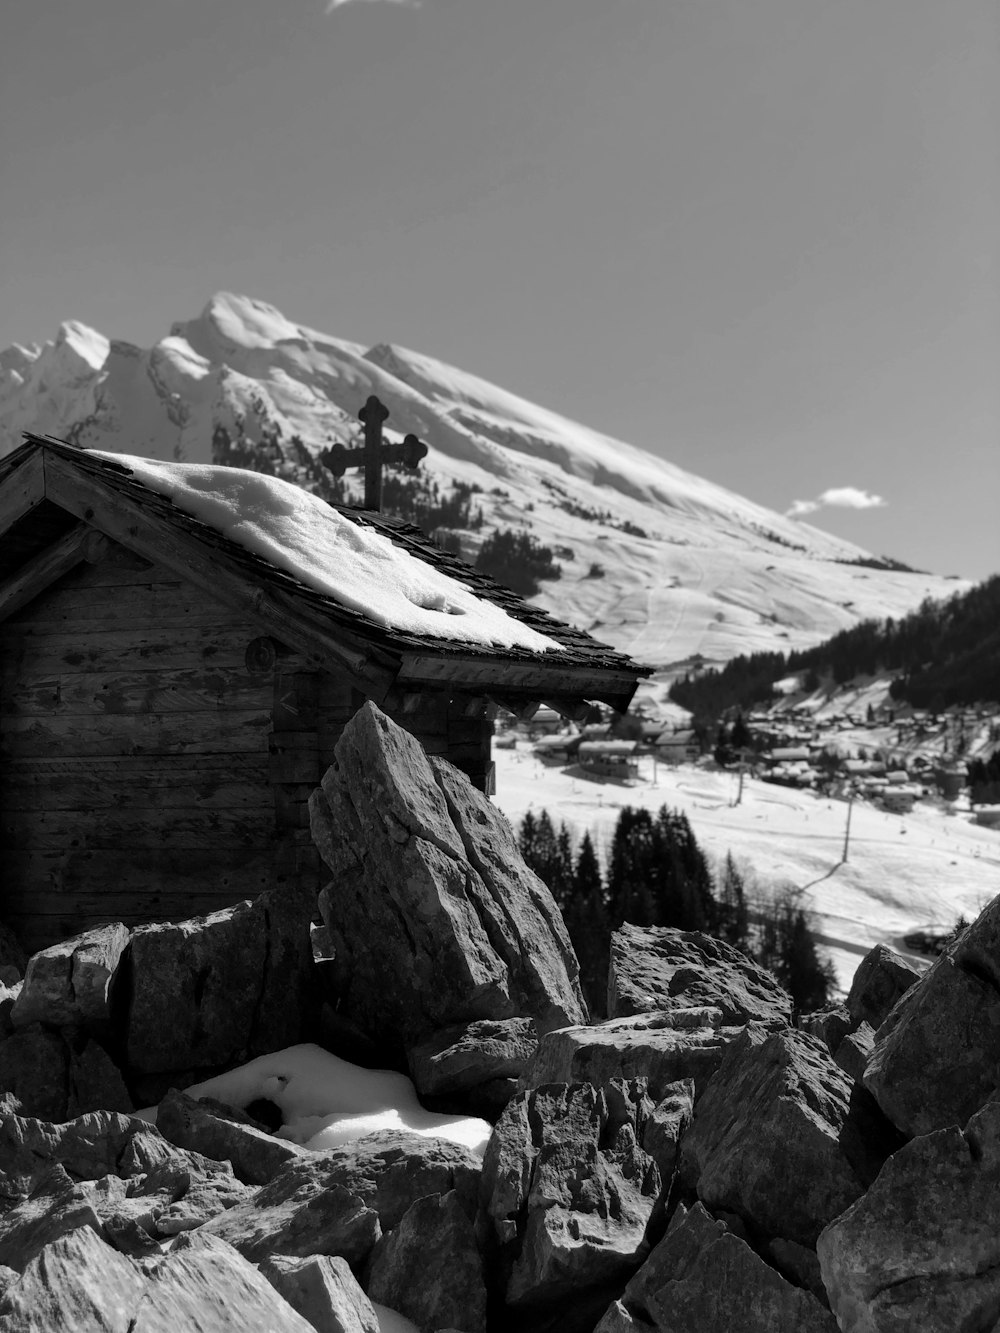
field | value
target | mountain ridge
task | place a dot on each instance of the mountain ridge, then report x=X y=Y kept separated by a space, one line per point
x=657 y=561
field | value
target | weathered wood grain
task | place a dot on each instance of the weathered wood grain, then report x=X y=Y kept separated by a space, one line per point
x=165 y=690
x=22 y=490
x=33 y=577
x=235 y=730
x=152 y=828
x=158 y=647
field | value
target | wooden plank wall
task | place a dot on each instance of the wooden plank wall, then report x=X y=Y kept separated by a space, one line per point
x=134 y=756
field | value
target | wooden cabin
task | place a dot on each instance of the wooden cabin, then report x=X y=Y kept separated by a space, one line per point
x=170 y=698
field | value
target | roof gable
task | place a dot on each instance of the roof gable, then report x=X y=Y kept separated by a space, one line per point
x=55 y=498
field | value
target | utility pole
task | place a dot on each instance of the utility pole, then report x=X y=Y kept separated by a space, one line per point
x=847 y=831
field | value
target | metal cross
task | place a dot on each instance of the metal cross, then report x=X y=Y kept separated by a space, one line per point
x=374 y=452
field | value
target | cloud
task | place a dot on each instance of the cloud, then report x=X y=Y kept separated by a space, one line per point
x=338 y=4
x=838 y=497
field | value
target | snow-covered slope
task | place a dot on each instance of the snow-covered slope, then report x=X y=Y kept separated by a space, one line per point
x=655 y=560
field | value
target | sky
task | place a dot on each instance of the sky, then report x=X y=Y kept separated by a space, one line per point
x=757 y=237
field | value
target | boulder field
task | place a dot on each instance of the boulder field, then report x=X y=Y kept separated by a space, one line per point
x=703 y=1160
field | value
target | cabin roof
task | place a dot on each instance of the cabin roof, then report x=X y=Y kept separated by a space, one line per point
x=50 y=489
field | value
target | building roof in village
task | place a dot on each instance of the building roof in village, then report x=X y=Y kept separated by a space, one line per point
x=52 y=493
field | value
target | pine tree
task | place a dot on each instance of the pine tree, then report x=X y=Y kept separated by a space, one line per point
x=734 y=917
x=589 y=931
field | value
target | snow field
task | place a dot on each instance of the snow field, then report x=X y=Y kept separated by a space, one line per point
x=903 y=871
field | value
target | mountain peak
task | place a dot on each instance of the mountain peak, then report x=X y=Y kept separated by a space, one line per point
x=656 y=560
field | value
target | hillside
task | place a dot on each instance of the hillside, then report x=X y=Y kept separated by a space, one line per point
x=943 y=654
x=654 y=560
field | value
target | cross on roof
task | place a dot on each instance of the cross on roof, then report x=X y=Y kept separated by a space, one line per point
x=374 y=452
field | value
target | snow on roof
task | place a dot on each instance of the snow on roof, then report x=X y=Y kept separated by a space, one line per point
x=360 y=568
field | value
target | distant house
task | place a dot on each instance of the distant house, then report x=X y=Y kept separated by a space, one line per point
x=677 y=747
x=790 y=754
x=610 y=759
x=171 y=695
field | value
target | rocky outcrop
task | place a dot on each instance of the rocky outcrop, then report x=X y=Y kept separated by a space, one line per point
x=701 y=1278
x=324 y=1291
x=434 y=916
x=567 y=1190
x=341 y=1201
x=773 y=1137
x=655 y=968
x=883 y=977
x=921 y=1249
x=474 y=1055
x=76 y=1282
x=70 y=984
x=660 y=1047
x=936 y=1056
x=256 y=1156
x=429 y=1267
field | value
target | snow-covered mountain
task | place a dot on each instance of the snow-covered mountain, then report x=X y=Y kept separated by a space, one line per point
x=655 y=560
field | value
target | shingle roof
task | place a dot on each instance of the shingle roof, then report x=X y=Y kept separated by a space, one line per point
x=577 y=648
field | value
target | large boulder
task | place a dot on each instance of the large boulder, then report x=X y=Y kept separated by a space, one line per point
x=70 y=984
x=205 y=1285
x=471 y=1055
x=936 y=1057
x=567 y=1191
x=660 y=1047
x=429 y=1267
x=434 y=916
x=701 y=1278
x=654 y=968
x=340 y=1202
x=60 y=1075
x=883 y=977
x=255 y=1155
x=88 y=1147
x=921 y=1249
x=324 y=1291
x=76 y=1282
x=774 y=1139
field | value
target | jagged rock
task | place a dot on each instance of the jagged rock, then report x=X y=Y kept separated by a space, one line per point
x=921 y=1249
x=205 y=1285
x=287 y=987
x=665 y=1124
x=256 y=1156
x=88 y=1147
x=469 y=1055
x=654 y=968
x=661 y=1047
x=76 y=1284
x=169 y=1198
x=830 y=1024
x=324 y=1291
x=799 y=1264
x=773 y=1138
x=855 y=1050
x=57 y=1206
x=340 y=1202
x=206 y=974
x=567 y=1190
x=434 y=916
x=70 y=983
x=936 y=1056
x=34 y=1067
x=192 y=1192
x=429 y=1268
x=701 y=1278
x=882 y=978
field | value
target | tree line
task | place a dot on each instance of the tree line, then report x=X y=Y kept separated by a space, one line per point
x=657 y=875
x=947 y=653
